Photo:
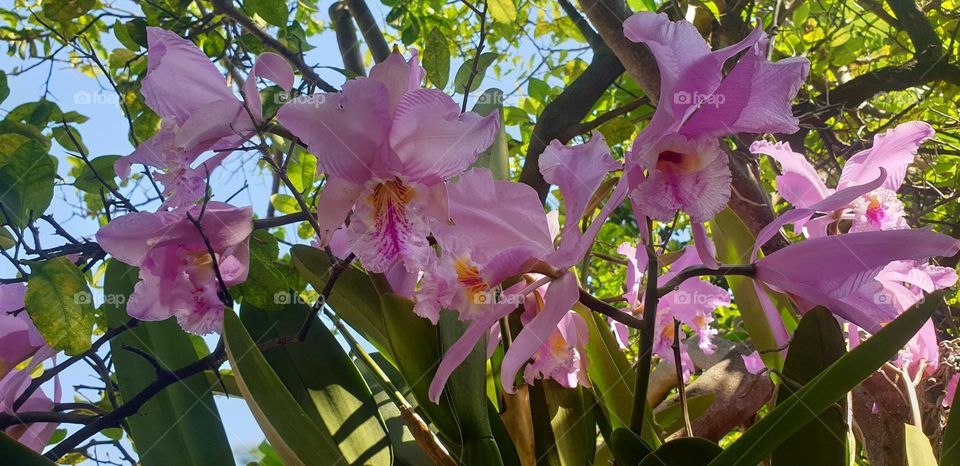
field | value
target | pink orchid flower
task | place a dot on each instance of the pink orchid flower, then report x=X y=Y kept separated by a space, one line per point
x=563 y=355
x=177 y=276
x=199 y=113
x=499 y=230
x=901 y=285
x=34 y=436
x=19 y=339
x=855 y=259
x=692 y=303
x=879 y=209
x=387 y=147
x=676 y=163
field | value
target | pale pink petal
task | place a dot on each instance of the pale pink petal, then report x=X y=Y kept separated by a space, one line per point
x=754 y=97
x=346 y=131
x=180 y=78
x=333 y=205
x=398 y=75
x=433 y=141
x=951 y=391
x=578 y=172
x=854 y=259
x=560 y=297
x=800 y=184
x=893 y=150
x=705 y=248
x=700 y=193
x=390 y=225
x=753 y=362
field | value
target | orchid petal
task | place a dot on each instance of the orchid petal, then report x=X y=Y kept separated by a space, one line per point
x=433 y=140
x=398 y=75
x=180 y=78
x=705 y=248
x=800 y=184
x=333 y=205
x=893 y=150
x=560 y=297
x=345 y=131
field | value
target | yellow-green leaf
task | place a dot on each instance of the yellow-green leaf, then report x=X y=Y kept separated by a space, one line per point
x=60 y=304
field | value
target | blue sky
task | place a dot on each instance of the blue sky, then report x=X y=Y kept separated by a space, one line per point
x=105 y=134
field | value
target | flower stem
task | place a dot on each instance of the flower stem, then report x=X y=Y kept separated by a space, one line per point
x=645 y=355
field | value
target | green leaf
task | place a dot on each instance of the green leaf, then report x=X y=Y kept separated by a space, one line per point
x=627 y=447
x=291 y=432
x=502 y=11
x=13 y=452
x=87 y=180
x=466 y=391
x=734 y=244
x=405 y=448
x=671 y=418
x=266 y=286
x=466 y=69
x=817 y=343
x=284 y=203
x=302 y=170
x=7 y=240
x=689 y=451
x=436 y=58
x=63 y=138
x=4 y=87
x=60 y=305
x=919 y=451
x=415 y=350
x=497 y=157
x=180 y=424
x=27 y=176
x=64 y=11
x=137 y=30
x=272 y=11
x=354 y=298
x=329 y=389
x=612 y=376
x=828 y=387
x=571 y=423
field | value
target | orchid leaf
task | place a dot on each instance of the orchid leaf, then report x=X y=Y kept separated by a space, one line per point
x=950 y=451
x=14 y=452
x=827 y=388
x=627 y=447
x=290 y=430
x=354 y=298
x=689 y=451
x=571 y=423
x=496 y=158
x=612 y=376
x=919 y=451
x=329 y=389
x=181 y=423
x=466 y=390
x=817 y=343
x=734 y=244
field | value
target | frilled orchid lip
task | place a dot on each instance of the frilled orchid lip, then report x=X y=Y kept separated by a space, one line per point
x=468 y=275
x=677 y=162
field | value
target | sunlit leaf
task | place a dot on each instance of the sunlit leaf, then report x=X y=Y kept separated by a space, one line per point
x=60 y=304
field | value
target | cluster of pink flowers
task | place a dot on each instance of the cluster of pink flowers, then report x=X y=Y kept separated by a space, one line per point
x=22 y=350
x=400 y=195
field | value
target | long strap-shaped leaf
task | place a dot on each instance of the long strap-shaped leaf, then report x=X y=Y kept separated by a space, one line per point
x=295 y=437
x=824 y=390
x=12 y=452
x=180 y=424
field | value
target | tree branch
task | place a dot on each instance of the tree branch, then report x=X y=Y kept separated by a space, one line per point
x=369 y=30
x=346 y=38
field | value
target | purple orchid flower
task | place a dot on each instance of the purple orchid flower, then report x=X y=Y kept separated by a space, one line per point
x=879 y=209
x=676 y=162
x=199 y=113
x=19 y=339
x=692 y=303
x=498 y=230
x=177 y=277
x=387 y=147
